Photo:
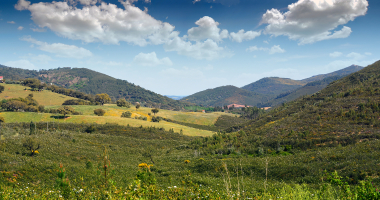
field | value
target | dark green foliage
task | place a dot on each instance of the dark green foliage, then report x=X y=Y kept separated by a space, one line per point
x=226 y=121
x=66 y=110
x=99 y=112
x=1 y=88
x=123 y=103
x=197 y=126
x=156 y=119
x=155 y=110
x=41 y=108
x=224 y=95
x=127 y=114
x=32 y=145
x=33 y=83
x=63 y=182
x=90 y=129
x=76 y=102
x=32 y=128
x=2 y=119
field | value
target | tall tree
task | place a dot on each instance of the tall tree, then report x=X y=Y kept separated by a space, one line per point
x=102 y=98
x=1 y=88
x=155 y=110
x=137 y=106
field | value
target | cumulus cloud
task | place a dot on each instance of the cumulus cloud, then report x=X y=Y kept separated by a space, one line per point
x=241 y=35
x=336 y=54
x=273 y=50
x=98 y=23
x=368 y=54
x=24 y=64
x=207 y=50
x=59 y=49
x=207 y=29
x=355 y=56
x=20 y=28
x=309 y=21
x=150 y=59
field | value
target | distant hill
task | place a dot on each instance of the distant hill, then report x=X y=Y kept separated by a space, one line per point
x=224 y=95
x=268 y=92
x=92 y=82
x=273 y=86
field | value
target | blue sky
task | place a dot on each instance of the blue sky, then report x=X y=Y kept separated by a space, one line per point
x=179 y=47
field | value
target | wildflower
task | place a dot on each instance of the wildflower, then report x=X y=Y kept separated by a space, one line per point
x=187 y=161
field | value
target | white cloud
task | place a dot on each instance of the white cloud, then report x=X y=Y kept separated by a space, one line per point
x=266 y=42
x=310 y=21
x=208 y=49
x=272 y=50
x=24 y=64
x=11 y=22
x=150 y=59
x=207 y=29
x=368 y=54
x=223 y=2
x=336 y=54
x=241 y=35
x=38 y=30
x=42 y=58
x=195 y=1
x=59 y=49
x=355 y=56
x=20 y=28
x=92 y=23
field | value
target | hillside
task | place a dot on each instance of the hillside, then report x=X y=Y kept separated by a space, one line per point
x=268 y=92
x=93 y=82
x=224 y=95
x=343 y=72
x=343 y=113
x=44 y=98
x=273 y=86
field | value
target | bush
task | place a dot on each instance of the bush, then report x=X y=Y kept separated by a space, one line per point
x=156 y=119
x=123 y=103
x=99 y=112
x=127 y=114
x=41 y=108
x=2 y=119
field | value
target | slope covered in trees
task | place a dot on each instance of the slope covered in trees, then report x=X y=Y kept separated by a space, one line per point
x=93 y=82
x=224 y=95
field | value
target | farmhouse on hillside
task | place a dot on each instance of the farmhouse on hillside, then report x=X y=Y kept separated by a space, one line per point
x=1 y=79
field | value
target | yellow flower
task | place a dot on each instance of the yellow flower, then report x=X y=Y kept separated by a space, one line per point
x=143 y=165
x=187 y=161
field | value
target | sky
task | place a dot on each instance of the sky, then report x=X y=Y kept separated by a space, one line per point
x=180 y=47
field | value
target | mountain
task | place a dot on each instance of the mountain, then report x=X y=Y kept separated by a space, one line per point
x=347 y=111
x=224 y=95
x=92 y=82
x=268 y=92
x=343 y=72
x=273 y=86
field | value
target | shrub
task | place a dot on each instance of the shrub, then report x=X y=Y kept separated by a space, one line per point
x=123 y=103
x=127 y=114
x=2 y=119
x=90 y=129
x=156 y=119
x=41 y=108
x=32 y=145
x=99 y=112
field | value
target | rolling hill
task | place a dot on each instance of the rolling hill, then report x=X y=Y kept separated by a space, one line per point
x=224 y=95
x=93 y=82
x=267 y=92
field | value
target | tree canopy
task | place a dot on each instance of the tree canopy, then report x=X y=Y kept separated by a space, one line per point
x=65 y=110
x=102 y=98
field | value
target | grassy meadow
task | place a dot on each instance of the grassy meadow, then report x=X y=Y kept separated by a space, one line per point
x=44 y=98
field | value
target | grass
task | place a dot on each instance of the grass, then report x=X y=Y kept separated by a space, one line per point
x=44 y=98
x=13 y=117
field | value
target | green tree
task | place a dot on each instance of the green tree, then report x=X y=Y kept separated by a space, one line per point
x=102 y=98
x=2 y=119
x=1 y=88
x=123 y=103
x=155 y=110
x=126 y=114
x=32 y=82
x=137 y=106
x=65 y=110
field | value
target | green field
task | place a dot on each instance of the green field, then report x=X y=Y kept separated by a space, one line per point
x=44 y=98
